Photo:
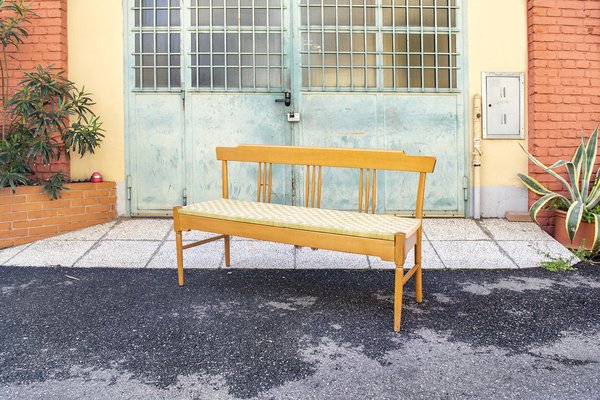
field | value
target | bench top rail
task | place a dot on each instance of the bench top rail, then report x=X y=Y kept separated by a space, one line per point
x=392 y=160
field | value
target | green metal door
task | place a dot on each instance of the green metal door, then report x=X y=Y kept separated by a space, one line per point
x=361 y=73
x=203 y=73
x=385 y=74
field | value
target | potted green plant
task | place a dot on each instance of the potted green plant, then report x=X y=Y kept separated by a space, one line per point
x=51 y=118
x=577 y=212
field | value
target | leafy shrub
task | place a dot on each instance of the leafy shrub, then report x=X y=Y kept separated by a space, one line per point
x=50 y=118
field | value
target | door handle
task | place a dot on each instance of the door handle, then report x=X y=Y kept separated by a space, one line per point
x=287 y=99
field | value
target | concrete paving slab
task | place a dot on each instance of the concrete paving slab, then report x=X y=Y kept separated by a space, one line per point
x=119 y=254
x=430 y=259
x=502 y=229
x=258 y=254
x=140 y=229
x=92 y=233
x=49 y=253
x=529 y=254
x=453 y=229
x=472 y=254
x=7 y=254
x=193 y=236
x=208 y=255
x=307 y=258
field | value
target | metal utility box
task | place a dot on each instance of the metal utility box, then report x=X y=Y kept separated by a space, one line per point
x=503 y=102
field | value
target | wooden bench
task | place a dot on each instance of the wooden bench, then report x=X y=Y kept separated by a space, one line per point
x=363 y=232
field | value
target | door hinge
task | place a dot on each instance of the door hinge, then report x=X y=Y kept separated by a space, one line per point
x=185 y=197
x=466 y=188
x=128 y=187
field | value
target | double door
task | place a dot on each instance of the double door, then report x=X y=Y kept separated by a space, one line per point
x=357 y=73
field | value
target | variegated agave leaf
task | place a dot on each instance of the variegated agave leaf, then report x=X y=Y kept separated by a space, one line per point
x=573 y=218
x=551 y=172
x=596 y=231
x=533 y=185
x=574 y=178
x=590 y=159
x=541 y=203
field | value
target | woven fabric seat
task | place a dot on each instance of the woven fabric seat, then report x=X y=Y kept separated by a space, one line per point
x=311 y=219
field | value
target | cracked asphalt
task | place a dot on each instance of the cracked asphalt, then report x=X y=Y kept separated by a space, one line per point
x=297 y=334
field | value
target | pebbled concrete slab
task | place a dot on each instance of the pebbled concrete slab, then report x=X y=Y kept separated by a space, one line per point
x=307 y=258
x=430 y=259
x=529 y=254
x=472 y=254
x=7 y=254
x=502 y=229
x=140 y=229
x=453 y=229
x=51 y=253
x=210 y=255
x=92 y=233
x=297 y=334
x=250 y=254
x=191 y=235
x=119 y=254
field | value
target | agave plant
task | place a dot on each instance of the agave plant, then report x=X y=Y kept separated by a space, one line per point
x=583 y=194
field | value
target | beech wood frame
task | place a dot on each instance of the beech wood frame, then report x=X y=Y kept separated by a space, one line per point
x=314 y=158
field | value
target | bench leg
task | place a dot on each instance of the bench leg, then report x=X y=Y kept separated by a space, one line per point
x=398 y=286
x=227 y=241
x=179 y=243
x=418 y=272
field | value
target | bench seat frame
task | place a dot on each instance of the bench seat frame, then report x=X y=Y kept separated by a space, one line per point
x=388 y=250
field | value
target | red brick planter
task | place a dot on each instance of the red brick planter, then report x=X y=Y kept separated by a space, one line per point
x=29 y=214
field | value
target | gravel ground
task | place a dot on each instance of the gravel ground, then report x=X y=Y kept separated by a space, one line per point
x=297 y=334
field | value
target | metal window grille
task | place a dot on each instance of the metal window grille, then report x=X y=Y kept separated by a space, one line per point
x=157 y=48
x=237 y=45
x=379 y=45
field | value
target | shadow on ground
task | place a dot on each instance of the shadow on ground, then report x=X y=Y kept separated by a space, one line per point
x=297 y=334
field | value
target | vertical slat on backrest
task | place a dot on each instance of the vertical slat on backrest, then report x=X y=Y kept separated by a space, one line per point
x=367 y=187
x=374 y=196
x=367 y=190
x=264 y=188
x=307 y=185
x=270 y=180
x=312 y=186
x=319 y=188
x=420 y=195
x=259 y=183
x=360 y=190
x=225 y=178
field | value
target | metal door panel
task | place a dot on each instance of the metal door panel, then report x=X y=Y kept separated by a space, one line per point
x=156 y=140
x=425 y=125
x=229 y=120
x=418 y=124
x=338 y=120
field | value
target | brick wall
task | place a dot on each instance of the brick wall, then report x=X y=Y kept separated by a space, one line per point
x=563 y=82
x=46 y=45
x=30 y=215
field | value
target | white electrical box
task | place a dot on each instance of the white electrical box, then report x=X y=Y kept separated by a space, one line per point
x=503 y=105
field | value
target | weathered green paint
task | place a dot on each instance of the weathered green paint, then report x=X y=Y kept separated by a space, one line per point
x=171 y=148
x=228 y=120
x=418 y=124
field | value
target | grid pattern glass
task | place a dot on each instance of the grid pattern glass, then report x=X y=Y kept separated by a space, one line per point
x=157 y=48
x=237 y=45
x=381 y=45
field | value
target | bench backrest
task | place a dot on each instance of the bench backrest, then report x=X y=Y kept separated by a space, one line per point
x=314 y=158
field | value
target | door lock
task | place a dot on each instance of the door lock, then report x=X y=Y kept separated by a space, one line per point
x=287 y=99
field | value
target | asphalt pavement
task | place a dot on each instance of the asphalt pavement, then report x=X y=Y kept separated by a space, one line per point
x=73 y=333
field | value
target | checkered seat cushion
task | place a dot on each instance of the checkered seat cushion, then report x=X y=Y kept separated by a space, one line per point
x=310 y=219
